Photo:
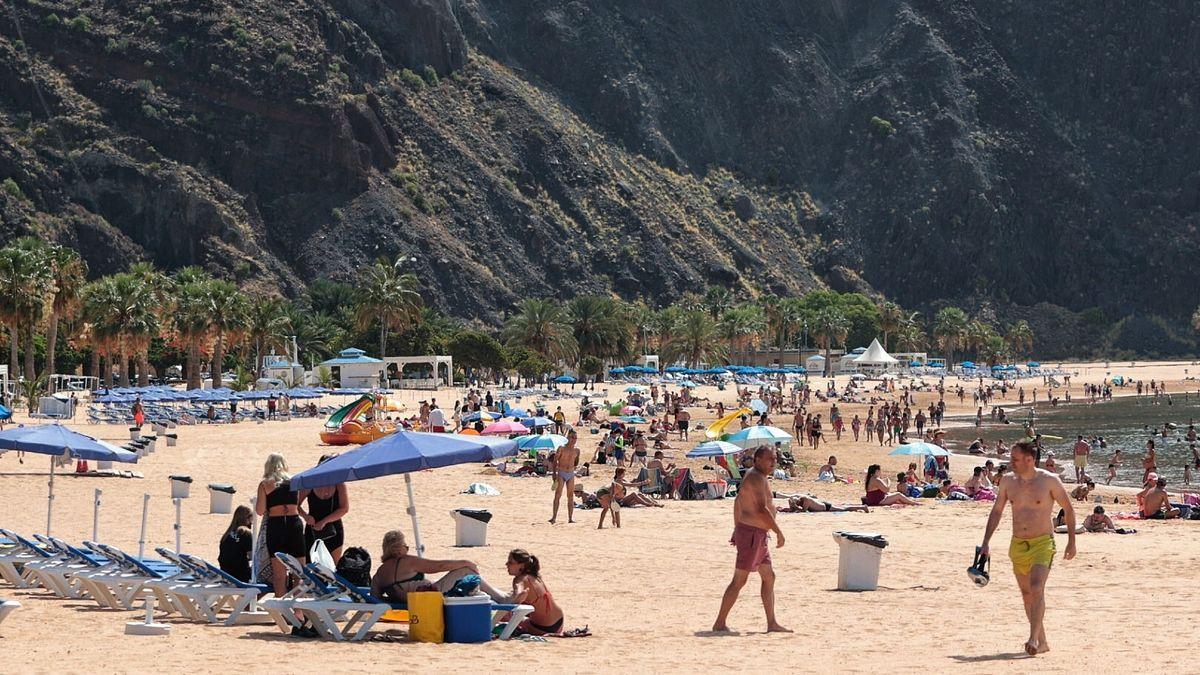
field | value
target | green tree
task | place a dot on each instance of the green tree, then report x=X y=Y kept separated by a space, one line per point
x=387 y=294
x=830 y=327
x=949 y=327
x=694 y=340
x=266 y=325
x=26 y=293
x=156 y=297
x=229 y=322
x=473 y=349
x=545 y=327
x=192 y=319
x=717 y=299
x=742 y=327
x=601 y=326
x=1020 y=337
x=69 y=273
x=591 y=366
x=890 y=318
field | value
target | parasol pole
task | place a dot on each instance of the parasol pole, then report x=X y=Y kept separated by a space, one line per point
x=412 y=511
x=96 y=515
x=254 y=539
x=142 y=536
x=50 y=498
x=178 y=529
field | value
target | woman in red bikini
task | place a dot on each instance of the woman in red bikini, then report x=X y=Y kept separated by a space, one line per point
x=879 y=492
x=529 y=589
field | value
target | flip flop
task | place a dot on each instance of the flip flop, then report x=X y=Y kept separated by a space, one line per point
x=575 y=633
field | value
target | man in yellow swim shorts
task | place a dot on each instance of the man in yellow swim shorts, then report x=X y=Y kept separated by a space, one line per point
x=1033 y=493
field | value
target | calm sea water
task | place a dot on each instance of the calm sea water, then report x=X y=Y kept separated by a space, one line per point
x=1125 y=423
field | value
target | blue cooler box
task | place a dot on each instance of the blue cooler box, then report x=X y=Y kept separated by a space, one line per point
x=468 y=619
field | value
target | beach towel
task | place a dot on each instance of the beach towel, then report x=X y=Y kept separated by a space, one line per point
x=985 y=495
x=481 y=489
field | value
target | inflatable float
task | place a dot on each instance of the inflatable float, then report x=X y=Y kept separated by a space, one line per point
x=355 y=424
x=716 y=429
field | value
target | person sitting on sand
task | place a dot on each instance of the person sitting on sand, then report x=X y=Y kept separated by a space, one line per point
x=828 y=472
x=400 y=573
x=806 y=503
x=978 y=481
x=879 y=492
x=1157 y=504
x=529 y=589
x=1098 y=521
x=1050 y=465
x=1081 y=491
x=911 y=476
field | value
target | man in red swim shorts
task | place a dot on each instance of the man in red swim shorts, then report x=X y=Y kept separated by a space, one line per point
x=753 y=517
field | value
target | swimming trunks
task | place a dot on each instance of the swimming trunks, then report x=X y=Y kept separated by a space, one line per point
x=1157 y=515
x=1025 y=553
x=751 y=543
x=1081 y=461
x=565 y=476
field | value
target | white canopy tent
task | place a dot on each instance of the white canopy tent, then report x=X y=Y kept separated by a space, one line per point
x=876 y=359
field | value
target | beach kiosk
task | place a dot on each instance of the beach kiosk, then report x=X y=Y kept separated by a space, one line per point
x=353 y=369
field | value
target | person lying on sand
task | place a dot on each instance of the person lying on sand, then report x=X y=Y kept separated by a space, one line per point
x=806 y=503
x=1098 y=521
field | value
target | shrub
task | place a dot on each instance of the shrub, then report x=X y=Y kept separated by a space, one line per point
x=12 y=189
x=81 y=23
x=430 y=75
x=881 y=127
x=150 y=111
x=289 y=47
x=284 y=61
x=411 y=79
x=52 y=19
x=144 y=86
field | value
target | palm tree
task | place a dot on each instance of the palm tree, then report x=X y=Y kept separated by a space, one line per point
x=949 y=327
x=543 y=326
x=664 y=324
x=26 y=292
x=890 y=320
x=977 y=335
x=1020 y=336
x=155 y=298
x=830 y=327
x=317 y=335
x=266 y=321
x=229 y=321
x=1196 y=320
x=101 y=302
x=741 y=327
x=69 y=272
x=192 y=319
x=642 y=318
x=601 y=327
x=791 y=316
x=993 y=350
x=717 y=299
x=388 y=294
x=694 y=340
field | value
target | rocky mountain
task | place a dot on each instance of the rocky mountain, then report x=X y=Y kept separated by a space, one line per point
x=1000 y=153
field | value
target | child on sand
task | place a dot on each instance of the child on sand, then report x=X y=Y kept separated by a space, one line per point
x=610 y=497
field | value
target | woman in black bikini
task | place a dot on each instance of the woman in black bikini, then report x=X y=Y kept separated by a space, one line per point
x=529 y=589
x=323 y=511
x=400 y=573
x=285 y=530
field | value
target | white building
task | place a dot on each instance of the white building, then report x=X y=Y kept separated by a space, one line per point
x=353 y=369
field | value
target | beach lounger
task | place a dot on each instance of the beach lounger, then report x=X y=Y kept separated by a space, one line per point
x=218 y=591
x=282 y=608
x=120 y=585
x=19 y=551
x=58 y=574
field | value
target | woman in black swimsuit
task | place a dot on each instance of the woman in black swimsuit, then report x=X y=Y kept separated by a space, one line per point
x=400 y=573
x=281 y=507
x=323 y=511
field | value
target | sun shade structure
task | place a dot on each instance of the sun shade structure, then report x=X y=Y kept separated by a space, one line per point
x=404 y=452
x=713 y=449
x=752 y=437
x=58 y=441
x=920 y=449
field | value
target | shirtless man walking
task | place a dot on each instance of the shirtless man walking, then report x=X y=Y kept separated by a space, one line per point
x=753 y=517
x=565 y=460
x=1032 y=492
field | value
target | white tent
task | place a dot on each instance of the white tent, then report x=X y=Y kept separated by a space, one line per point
x=875 y=356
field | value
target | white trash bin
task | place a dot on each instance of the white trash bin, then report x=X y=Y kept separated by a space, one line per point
x=135 y=433
x=172 y=439
x=181 y=487
x=858 y=563
x=470 y=526
x=150 y=443
x=220 y=498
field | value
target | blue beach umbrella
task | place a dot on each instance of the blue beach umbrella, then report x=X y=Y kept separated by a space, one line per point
x=754 y=436
x=535 y=422
x=564 y=379
x=404 y=452
x=920 y=448
x=713 y=449
x=59 y=441
x=540 y=442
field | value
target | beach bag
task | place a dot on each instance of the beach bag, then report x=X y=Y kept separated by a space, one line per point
x=355 y=566
x=319 y=554
x=931 y=491
x=426 y=623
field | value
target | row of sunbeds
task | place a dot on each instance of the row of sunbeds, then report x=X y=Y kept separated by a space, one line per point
x=197 y=590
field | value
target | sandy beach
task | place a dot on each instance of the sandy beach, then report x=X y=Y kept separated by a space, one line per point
x=649 y=592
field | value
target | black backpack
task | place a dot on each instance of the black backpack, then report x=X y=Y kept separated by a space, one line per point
x=355 y=566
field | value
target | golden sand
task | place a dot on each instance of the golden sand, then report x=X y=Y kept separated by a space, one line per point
x=649 y=591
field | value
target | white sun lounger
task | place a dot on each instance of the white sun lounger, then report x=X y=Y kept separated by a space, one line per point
x=217 y=591
x=17 y=552
x=123 y=584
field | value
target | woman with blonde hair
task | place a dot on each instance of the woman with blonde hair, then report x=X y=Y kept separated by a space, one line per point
x=280 y=506
x=400 y=573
